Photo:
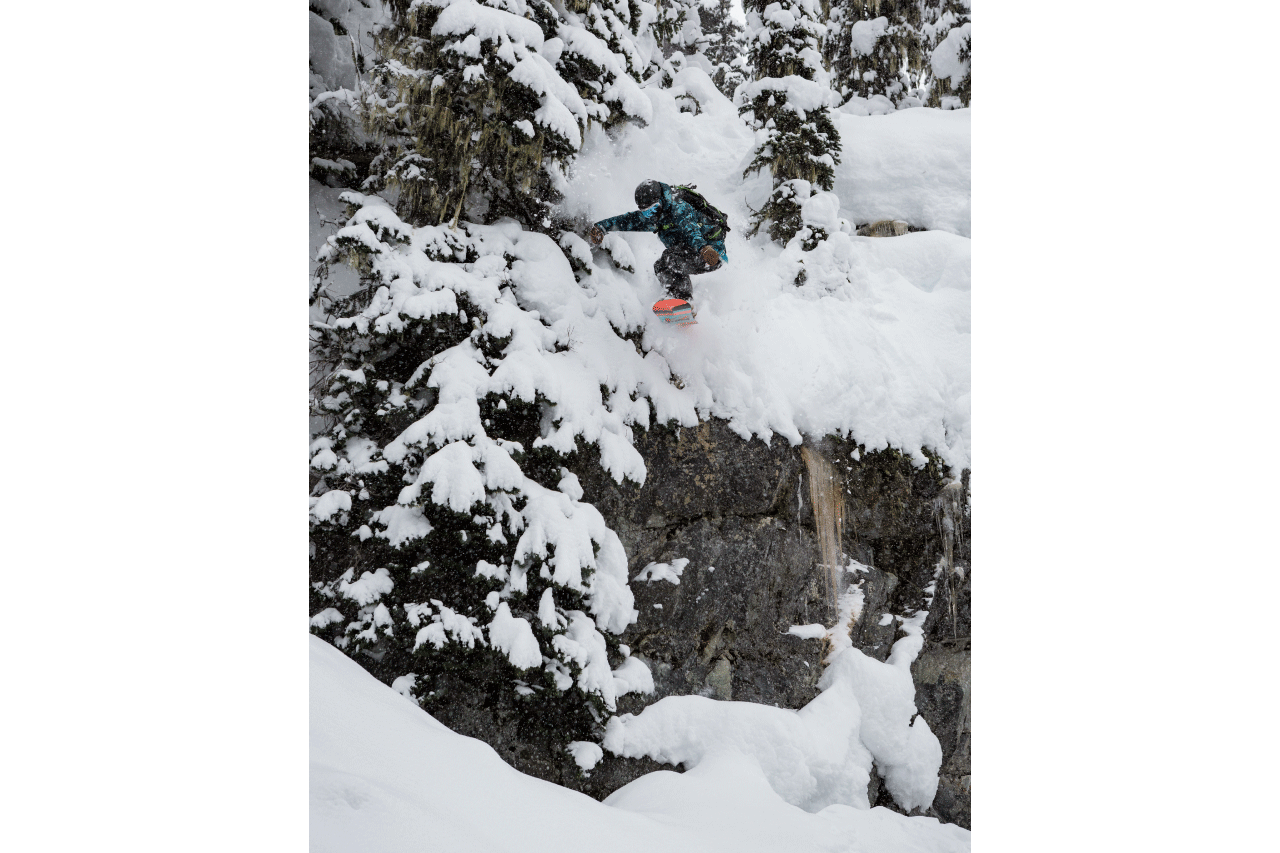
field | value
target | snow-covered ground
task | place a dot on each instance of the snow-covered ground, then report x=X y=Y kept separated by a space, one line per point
x=385 y=776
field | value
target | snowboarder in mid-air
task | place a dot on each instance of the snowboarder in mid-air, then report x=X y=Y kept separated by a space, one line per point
x=692 y=230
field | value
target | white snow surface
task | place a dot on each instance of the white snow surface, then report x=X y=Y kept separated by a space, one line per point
x=909 y=164
x=386 y=776
x=330 y=59
x=333 y=74
x=663 y=571
x=633 y=676
x=884 y=322
x=330 y=503
x=586 y=754
x=369 y=588
x=808 y=632
x=802 y=95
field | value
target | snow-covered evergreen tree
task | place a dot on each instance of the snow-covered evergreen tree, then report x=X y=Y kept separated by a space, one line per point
x=476 y=111
x=618 y=24
x=835 y=43
x=678 y=27
x=601 y=58
x=874 y=48
x=465 y=128
x=962 y=83
x=727 y=48
x=672 y=32
x=450 y=546
x=883 y=49
x=787 y=104
x=910 y=60
x=945 y=31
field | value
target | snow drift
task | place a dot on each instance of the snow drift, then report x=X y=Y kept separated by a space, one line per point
x=385 y=776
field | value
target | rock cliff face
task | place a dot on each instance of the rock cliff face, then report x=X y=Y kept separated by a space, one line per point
x=741 y=513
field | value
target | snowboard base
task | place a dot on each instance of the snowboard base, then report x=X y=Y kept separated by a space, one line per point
x=675 y=312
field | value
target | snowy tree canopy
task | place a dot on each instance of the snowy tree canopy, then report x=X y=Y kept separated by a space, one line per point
x=727 y=49
x=788 y=106
x=438 y=471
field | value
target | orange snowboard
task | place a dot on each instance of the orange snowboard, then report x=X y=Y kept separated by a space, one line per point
x=675 y=311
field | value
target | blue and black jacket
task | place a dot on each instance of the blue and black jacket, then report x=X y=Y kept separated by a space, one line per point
x=677 y=224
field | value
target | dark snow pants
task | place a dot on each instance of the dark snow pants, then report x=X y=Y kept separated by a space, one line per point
x=674 y=268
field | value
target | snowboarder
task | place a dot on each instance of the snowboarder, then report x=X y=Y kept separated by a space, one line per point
x=692 y=230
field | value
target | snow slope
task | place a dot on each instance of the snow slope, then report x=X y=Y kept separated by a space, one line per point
x=874 y=343
x=385 y=776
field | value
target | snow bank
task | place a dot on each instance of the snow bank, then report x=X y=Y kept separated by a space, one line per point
x=911 y=164
x=385 y=776
x=875 y=105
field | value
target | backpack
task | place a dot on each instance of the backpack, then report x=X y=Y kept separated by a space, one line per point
x=718 y=218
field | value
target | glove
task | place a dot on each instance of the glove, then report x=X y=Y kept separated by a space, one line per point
x=710 y=257
x=595 y=235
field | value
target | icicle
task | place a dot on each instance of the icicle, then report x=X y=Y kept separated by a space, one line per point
x=947 y=512
x=827 y=499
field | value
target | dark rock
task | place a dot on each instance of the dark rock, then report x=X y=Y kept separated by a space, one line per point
x=739 y=512
x=722 y=631
x=942 y=677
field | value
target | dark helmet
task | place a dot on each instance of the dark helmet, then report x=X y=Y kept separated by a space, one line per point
x=648 y=193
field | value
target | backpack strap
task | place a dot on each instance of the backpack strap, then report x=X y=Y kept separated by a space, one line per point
x=719 y=220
